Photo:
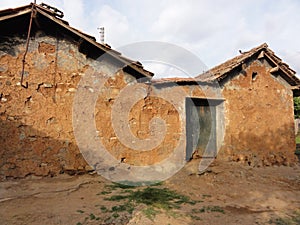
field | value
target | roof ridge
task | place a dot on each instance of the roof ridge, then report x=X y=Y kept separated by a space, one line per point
x=220 y=71
x=250 y=52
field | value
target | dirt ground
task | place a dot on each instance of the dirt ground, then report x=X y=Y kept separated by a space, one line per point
x=228 y=193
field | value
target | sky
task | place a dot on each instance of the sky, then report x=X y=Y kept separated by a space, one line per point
x=213 y=30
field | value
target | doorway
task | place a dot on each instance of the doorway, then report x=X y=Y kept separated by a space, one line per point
x=201 y=127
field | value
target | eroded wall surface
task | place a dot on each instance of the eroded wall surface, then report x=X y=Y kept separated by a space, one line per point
x=138 y=123
x=36 y=135
x=259 y=117
x=37 y=132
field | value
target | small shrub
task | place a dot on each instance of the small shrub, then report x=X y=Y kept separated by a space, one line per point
x=80 y=211
x=103 y=209
x=150 y=213
x=115 y=186
x=104 y=193
x=293 y=220
x=216 y=209
x=92 y=216
x=118 y=208
x=115 y=215
x=116 y=198
x=194 y=217
x=209 y=209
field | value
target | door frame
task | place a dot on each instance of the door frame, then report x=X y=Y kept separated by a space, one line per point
x=219 y=127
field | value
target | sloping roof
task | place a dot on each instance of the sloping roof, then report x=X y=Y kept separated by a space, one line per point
x=55 y=16
x=174 y=80
x=221 y=71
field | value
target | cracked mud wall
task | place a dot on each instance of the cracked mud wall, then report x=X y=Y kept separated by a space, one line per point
x=162 y=138
x=36 y=123
x=259 y=117
x=36 y=136
x=165 y=102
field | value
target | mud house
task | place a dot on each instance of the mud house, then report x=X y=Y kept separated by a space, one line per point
x=243 y=107
x=257 y=89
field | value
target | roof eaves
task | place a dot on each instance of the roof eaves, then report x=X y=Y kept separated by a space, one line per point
x=278 y=61
x=18 y=13
x=220 y=71
x=179 y=81
x=10 y=11
x=289 y=73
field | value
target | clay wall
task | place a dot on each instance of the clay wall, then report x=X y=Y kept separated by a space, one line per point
x=259 y=117
x=37 y=130
x=37 y=133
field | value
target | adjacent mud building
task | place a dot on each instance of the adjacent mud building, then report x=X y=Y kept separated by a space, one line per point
x=241 y=110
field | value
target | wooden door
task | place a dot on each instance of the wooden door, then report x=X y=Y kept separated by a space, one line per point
x=200 y=128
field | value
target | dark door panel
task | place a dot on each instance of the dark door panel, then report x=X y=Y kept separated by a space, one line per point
x=200 y=128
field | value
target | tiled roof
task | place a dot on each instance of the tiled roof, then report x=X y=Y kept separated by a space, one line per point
x=221 y=71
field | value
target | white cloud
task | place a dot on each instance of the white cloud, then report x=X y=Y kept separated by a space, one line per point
x=188 y=22
x=164 y=70
x=116 y=25
x=12 y=4
x=75 y=13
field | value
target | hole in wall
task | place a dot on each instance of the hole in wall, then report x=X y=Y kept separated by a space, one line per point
x=123 y=159
x=254 y=76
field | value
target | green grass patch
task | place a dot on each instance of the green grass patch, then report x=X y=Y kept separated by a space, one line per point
x=156 y=184
x=157 y=197
x=104 y=193
x=209 y=209
x=216 y=209
x=92 y=216
x=117 y=198
x=298 y=138
x=115 y=186
x=160 y=198
x=154 y=198
x=115 y=215
x=292 y=220
x=104 y=209
x=174 y=214
x=126 y=207
x=150 y=212
x=194 y=217
x=80 y=211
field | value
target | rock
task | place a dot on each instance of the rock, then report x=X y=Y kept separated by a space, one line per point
x=47 y=85
x=72 y=90
x=89 y=168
